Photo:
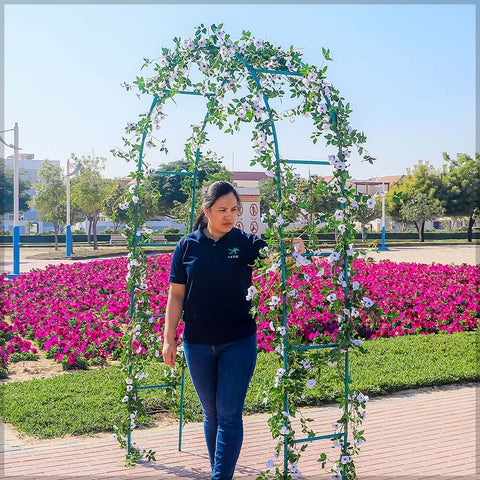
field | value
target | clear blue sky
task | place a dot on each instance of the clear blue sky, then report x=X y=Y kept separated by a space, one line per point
x=408 y=72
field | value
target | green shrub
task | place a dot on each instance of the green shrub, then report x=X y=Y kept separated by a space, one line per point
x=79 y=364
x=22 y=356
x=170 y=230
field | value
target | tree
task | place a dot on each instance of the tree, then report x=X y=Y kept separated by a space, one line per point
x=462 y=188
x=423 y=178
x=213 y=171
x=50 y=199
x=111 y=205
x=89 y=190
x=421 y=208
x=6 y=190
x=365 y=215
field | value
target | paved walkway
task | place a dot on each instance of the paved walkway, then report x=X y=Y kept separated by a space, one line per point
x=414 y=435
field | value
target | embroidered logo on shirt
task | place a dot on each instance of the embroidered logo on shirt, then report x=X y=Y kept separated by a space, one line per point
x=233 y=252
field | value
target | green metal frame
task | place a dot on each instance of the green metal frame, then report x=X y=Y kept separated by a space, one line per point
x=253 y=72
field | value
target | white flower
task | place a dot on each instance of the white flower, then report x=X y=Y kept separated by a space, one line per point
x=128 y=381
x=274 y=267
x=320 y=272
x=114 y=436
x=367 y=302
x=337 y=476
x=356 y=342
x=304 y=212
x=342 y=228
x=358 y=442
x=258 y=42
x=371 y=203
x=203 y=66
x=279 y=221
x=270 y=173
x=135 y=199
x=131 y=188
x=337 y=444
x=271 y=326
x=125 y=398
x=202 y=42
x=282 y=330
x=361 y=398
x=311 y=383
x=332 y=297
x=284 y=431
x=335 y=426
x=306 y=364
x=189 y=44
x=332 y=364
x=270 y=463
x=276 y=382
x=339 y=214
x=293 y=467
x=292 y=198
x=129 y=388
x=339 y=165
x=322 y=107
x=341 y=199
x=355 y=285
x=251 y=292
x=285 y=414
x=219 y=33
x=274 y=301
x=333 y=257
x=281 y=372
x=345 y=459
x=354 y=204
x=354 y=313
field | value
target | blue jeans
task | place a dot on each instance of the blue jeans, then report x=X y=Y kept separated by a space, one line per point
x=220 y=375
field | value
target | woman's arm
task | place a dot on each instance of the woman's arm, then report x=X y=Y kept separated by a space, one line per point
x=173 y=313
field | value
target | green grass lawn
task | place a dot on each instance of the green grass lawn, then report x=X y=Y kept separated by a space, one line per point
x=86 y=402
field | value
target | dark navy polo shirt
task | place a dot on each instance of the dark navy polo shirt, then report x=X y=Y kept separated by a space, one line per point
x=217 y=275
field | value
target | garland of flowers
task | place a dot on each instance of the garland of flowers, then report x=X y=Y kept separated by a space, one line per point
x=223 y=66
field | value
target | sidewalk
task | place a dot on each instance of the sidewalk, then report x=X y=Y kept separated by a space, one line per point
x=413 y=435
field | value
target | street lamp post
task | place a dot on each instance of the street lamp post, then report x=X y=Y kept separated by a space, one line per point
x=69 y=228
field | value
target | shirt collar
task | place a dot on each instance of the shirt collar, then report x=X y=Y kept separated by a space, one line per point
x=200 y=236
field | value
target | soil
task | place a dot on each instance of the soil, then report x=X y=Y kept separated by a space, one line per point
x=27 y=370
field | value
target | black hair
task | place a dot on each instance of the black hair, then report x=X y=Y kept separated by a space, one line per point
x=210 y=195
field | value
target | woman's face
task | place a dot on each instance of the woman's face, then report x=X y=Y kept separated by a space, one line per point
x=222 y=215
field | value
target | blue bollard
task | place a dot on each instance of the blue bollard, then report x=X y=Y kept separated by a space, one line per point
x=16 y=250
x=383 y=248
x=69 y=241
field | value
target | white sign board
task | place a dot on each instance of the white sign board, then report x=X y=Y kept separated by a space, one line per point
x=249 y=213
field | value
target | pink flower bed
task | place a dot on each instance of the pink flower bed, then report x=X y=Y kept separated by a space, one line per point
x=418 y=298
x=80 y=309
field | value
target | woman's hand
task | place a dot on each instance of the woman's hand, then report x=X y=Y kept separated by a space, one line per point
x=301 y=246
x=169 y=353
x=297 y=241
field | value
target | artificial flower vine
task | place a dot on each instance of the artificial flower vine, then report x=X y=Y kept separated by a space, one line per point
x=215 y=66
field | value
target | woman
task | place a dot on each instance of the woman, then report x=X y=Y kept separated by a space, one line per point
x=210 y=274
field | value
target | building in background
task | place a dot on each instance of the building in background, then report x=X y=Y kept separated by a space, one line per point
x=29 y=167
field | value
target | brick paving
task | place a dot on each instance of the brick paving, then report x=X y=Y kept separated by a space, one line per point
x=414 y=435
